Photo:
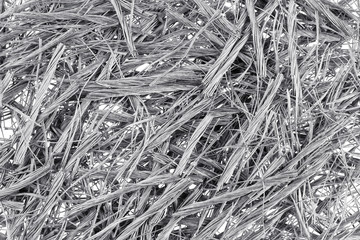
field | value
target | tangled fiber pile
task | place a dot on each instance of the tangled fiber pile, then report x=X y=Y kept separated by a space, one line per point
x=179 y=119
